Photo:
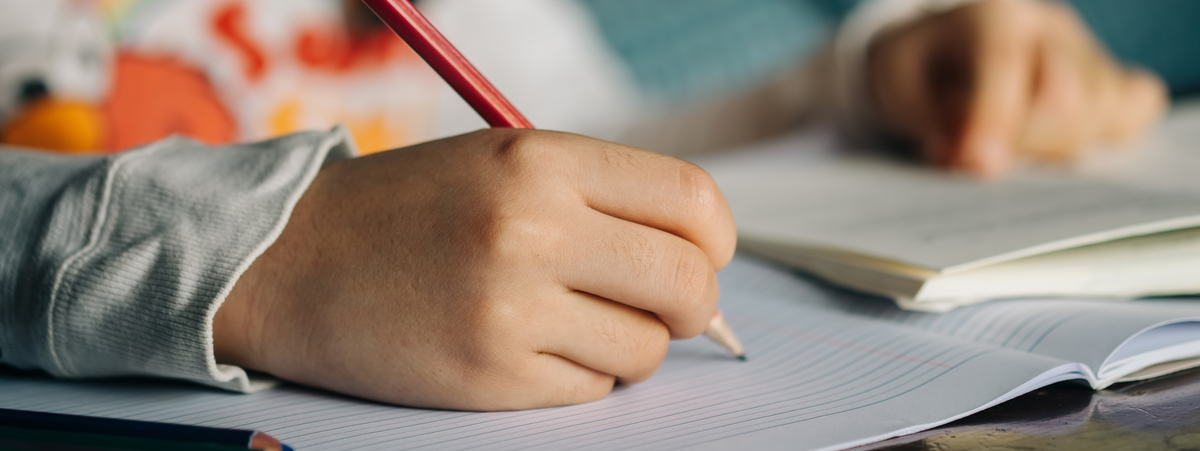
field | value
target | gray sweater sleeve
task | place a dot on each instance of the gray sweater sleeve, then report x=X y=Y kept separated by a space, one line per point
x=115 y=266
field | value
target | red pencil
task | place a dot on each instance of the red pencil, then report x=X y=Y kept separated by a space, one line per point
x=407 y=22
x=403 y=18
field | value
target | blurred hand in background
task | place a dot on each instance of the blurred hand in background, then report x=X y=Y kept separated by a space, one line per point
x=985 y=84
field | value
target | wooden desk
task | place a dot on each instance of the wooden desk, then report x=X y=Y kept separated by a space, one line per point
x=1160 y=414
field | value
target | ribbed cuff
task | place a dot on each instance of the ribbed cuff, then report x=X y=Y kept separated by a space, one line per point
x=175 y=224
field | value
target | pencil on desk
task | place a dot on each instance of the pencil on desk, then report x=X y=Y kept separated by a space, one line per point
x=403 y=18
x=21 y=429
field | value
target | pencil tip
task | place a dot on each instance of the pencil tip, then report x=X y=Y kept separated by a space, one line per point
x=742 y=357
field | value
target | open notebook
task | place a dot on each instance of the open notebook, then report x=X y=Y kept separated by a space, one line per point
x=827 y=369
x=932 y=240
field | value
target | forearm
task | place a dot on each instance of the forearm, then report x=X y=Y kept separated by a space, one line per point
x=119 y=263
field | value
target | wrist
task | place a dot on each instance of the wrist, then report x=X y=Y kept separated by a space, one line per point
x=240 y=323
x=232 y=323
x=256 y=319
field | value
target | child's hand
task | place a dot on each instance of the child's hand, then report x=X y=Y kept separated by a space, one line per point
x=988 y=82
x=503 y=269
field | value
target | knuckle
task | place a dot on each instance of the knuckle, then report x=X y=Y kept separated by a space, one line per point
x=622 y=157
x=690 y=279
x=635 y=250
x=489 y=329
x=522 y=150
x=642 y=346
x=700 y=191
x=583 y=391
x=514 y=143
x=642 y=339
x=690 y=295
x=651 y=352
x=611 y=331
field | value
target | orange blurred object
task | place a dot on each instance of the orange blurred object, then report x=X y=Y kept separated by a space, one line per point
x=229 y=24
x=156 y=97
x=60 y=125
x=336 y=50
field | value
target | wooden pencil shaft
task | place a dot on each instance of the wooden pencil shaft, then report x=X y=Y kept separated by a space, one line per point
x=404 y=19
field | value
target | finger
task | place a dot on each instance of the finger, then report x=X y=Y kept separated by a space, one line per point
x=660 y=192
x=549 y=380
x=900 y=84
x=997 y=101
x=606 y=336
x=1143 y=100
x=1061 y=118
x=644 y=268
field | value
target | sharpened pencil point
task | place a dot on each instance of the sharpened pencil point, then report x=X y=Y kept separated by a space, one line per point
x=742 y=357
x=719 y=331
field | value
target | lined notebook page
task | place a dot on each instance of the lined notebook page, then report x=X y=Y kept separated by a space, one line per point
x=827 y=370
x=1078 y=330
x=937 y=220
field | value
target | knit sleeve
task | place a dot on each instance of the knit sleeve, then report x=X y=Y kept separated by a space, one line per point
x=115 y=266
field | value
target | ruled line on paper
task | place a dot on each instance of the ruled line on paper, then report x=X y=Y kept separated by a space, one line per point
x=831 y=341
x=819 y=359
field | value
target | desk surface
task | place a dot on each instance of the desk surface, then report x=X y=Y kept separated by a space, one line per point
x=1160 y=414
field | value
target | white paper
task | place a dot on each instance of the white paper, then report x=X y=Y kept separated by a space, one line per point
x=827 y=369
x=809 y=189
x=935 y=220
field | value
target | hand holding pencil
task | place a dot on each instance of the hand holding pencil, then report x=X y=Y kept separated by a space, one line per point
x=503 y=269
x=495 y=109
